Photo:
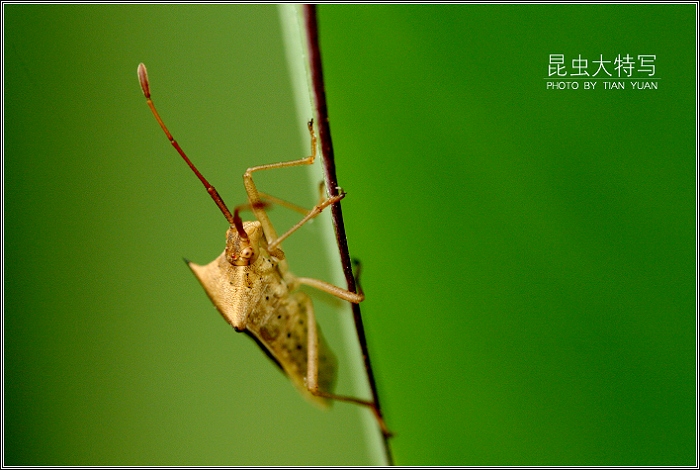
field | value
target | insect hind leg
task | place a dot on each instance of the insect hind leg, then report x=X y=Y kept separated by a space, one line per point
x=312 y=372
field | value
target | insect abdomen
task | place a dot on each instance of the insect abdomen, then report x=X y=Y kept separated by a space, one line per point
x=284 y=334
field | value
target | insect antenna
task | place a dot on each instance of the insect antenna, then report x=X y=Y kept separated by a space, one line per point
x=145 y=87
x=238 y=222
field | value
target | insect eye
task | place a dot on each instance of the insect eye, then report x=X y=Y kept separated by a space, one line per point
x=246 y=252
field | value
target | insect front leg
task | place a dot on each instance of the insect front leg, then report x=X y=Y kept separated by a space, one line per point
x=281 y=202
x=312 y=371
x=312 y=213
x=254 y=194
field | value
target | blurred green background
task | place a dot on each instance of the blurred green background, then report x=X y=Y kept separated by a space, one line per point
x=528 y=253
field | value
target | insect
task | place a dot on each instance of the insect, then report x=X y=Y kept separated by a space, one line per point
x=251 y=286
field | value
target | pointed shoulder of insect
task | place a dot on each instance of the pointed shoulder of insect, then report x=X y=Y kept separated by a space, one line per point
x=237 y=279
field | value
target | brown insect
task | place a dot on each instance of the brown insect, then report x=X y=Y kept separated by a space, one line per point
x=251 y=286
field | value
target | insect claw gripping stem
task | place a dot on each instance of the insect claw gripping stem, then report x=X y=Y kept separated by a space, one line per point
x=145 y=87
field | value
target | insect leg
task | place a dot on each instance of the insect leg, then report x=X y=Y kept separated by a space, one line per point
x=312 y=213
x=281 y=202
x=292 y=206
x=312 y=371
x=303 y=211
x=336 y=291
x=254 y=194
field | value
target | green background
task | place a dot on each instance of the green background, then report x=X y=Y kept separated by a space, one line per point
x=529 y=254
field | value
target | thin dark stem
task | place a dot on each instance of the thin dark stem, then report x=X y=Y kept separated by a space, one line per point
x=331 y=179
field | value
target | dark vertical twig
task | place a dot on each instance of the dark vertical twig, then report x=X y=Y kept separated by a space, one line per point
x=324 y=133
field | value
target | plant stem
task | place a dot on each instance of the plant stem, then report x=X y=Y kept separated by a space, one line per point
x=324 y=132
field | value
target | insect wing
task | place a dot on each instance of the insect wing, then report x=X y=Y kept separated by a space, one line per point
x=284 y=333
